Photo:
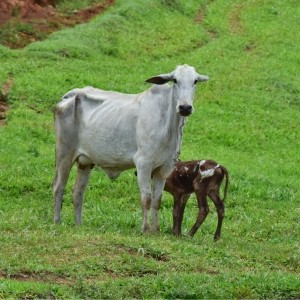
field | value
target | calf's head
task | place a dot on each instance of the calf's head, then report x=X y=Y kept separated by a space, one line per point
x=184 y=80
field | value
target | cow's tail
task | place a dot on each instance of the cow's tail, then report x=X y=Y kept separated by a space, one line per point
x=226 y=173
x=66 y=120
x=77 y=106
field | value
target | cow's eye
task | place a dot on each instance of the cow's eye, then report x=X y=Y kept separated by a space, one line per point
x=175 y=80
x=195 y=81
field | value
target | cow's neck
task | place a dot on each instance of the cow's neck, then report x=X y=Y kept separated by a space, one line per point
x=175 y=127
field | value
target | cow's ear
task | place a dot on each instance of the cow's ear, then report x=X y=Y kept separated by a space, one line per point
x=201 y=78
x=160 y=79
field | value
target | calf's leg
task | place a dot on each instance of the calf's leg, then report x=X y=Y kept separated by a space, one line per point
x=180 y=201
x=184 y=200
x=203 y=210
x=176 y=210
x=214 y=196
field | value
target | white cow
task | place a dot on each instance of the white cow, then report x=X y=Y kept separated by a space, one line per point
x=118 y=131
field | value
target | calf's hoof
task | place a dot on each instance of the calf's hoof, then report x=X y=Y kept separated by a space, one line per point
x=191 y=234
x=176 y=232
x=216 y=238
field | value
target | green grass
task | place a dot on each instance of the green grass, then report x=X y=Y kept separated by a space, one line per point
x=246 y=117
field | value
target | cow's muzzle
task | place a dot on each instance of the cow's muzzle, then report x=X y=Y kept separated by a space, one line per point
x=185 y=110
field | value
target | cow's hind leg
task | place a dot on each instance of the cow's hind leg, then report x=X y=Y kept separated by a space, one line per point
x=83 y=175
x=214 y=196
x=63 y=167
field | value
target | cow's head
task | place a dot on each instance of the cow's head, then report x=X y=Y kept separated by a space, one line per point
x=184 y=80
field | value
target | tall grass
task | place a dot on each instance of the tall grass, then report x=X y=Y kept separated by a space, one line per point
x=246 y=117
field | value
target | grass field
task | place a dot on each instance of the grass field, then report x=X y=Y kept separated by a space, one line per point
x=247 y=117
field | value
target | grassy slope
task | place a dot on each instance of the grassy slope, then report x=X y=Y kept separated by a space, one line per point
x=247 y=118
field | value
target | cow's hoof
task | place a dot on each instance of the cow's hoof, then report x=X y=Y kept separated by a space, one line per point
x=145 y=228
x=57 y=221
x=155 y=229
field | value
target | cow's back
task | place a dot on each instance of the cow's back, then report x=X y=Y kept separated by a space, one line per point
x=104 y=123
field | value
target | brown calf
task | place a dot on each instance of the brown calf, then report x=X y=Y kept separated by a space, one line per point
x=204 y=177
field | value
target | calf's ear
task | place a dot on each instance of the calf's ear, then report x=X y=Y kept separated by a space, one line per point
x=160 y=79
x=202 y=78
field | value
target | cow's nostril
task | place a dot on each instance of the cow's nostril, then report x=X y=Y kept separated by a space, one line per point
x=185 y=110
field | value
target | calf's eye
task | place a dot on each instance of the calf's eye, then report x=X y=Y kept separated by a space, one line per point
x=175 y=80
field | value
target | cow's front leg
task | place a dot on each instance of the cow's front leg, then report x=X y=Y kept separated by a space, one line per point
x=145 y=203
x=158 y=186
x=144 y=182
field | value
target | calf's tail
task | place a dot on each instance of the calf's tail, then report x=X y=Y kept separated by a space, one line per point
x=226 y=173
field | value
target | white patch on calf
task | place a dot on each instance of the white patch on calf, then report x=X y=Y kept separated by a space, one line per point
x=209 y=172
x=199 y=163
x=186 y=169
x=202 y=162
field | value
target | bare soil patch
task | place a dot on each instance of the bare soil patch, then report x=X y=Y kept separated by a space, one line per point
x=25 y=21
x=36 y=277
x=4 y=91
